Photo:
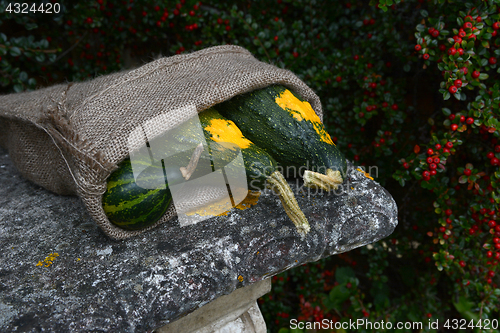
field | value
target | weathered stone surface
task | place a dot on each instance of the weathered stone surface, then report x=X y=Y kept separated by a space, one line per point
x=145 y=282
x=236 y=312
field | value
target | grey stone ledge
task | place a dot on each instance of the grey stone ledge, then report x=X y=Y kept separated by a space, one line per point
x=148 y=281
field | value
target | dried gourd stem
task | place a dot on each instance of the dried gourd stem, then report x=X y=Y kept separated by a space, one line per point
x=327 y=182
x=279 y=185
x=193 y=163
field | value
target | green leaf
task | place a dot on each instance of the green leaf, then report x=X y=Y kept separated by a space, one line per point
x=40 y=57
x=18 y=88
x=15 y=51
x=483 y=76
x=338 y=295
x=424 y=13
x=343 y=274
x=23 y=76
x=464 y=307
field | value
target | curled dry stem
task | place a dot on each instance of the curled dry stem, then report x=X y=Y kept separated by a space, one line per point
x=327 y=182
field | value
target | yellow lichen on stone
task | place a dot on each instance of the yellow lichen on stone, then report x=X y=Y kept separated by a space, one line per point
x=240 y=278
x=366 y=174
x=48 y=260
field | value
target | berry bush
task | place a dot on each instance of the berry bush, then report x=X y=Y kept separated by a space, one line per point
x=409 y=88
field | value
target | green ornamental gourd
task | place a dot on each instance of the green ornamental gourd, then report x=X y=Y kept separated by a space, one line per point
x=286 y=126
x=131 y=207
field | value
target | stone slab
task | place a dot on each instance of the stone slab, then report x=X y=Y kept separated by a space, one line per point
x=139 y=284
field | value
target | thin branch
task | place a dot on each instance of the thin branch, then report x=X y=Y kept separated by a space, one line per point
x=31 y=50
x=67 y=51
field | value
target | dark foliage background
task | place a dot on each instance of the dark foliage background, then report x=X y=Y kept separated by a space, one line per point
x=410 y=88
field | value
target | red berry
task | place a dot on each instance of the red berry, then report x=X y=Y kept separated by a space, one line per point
x=462 y=34
x=491 y=273
x=464 y=70
x=496 y=25
x=219 y=21
x=426 y=174
x=492 y=224
x=442 y=47
x=228 y=27
x=489 y=254
x=426 y=56
x=432 y=166
x=454 y=127
x=430 y=151
x=457 y=83
x=452 y=89
x=497 y=148
x=492 y=60
x=494 y=161
x=430 y=160
x=418 y=47
x=467 y=172
x=467 y=25
x=356 y=57
x=437 y=160
x=462 y=119
x=437 y=146
x=460 y=51
x=469 y=121
x=452 y=51
x=435 y=33
x=490 y=155
x=338 y=78
x=462 y=263
x=475 y=74
x=394 y=107
x=406 y=165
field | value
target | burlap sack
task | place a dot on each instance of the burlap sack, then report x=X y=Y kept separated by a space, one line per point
x=69 y=138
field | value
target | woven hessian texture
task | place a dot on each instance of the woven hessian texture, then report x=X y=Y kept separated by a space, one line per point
x=70 y=137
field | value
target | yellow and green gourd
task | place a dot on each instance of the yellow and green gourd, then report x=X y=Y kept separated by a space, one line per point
x=286 y=126
x=130 y=207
